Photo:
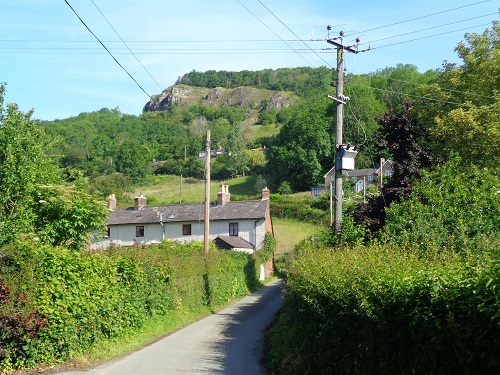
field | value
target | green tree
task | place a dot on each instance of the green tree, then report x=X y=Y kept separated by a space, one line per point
x=114 y=183
x=237 y=157
x=132 y=159
x=33 y=194
x=305 y=145
x=67 y=215
x=395 y=85
x=360 y=114
x=24 y=165
x=465 y=108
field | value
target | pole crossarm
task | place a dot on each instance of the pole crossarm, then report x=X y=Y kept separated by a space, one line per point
x=339 y=45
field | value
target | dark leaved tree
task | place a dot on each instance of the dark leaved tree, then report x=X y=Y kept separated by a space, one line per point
x=402 y=137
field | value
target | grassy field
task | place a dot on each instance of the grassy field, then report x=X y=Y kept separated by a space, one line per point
x=166 y=189
x=289 y=233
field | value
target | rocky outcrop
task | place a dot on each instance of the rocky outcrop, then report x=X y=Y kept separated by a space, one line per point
x=244 y=97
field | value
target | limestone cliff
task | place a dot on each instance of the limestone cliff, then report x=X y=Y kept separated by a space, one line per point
x=244 y=97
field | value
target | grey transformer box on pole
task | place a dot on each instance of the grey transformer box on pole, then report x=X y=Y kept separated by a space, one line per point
x=345 y=157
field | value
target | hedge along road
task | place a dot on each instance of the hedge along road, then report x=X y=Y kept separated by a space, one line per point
x=228 y=342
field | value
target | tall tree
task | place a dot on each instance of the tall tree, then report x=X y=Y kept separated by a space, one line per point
x=465 y=102
x=132 y=159
x=304 y=148
x=33 y=195
x=402 y=137
x=237 y=157
x=24 y=165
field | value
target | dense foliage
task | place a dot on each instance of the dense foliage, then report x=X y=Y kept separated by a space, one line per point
x=36 y=198
x=312 y=210
x=465 y=115
x=451 y=207
x=55 y=302
x=402 y=136
x=421 y=297
x=380 y=311
x=302 y=81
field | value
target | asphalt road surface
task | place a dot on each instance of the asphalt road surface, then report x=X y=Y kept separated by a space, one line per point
x=228 y=342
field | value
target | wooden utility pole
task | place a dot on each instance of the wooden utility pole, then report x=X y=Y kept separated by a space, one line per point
x=341 y=100
x=206 y=236
x=180 y=191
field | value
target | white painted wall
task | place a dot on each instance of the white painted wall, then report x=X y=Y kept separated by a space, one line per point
x=124 y=235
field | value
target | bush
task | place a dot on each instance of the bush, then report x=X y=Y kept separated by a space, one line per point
x=453 y=207
x=303 y=209
x=380 y=311
x=55 y=302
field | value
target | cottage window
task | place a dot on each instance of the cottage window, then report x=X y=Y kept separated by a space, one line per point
x=354 y=178
x=388 y=172
x=139 y=231
x=186 y=229
x=370 y=178
x=233 y=229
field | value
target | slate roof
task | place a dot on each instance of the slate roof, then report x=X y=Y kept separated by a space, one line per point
x=361 y=172
x=243 y=210
x=231 y=242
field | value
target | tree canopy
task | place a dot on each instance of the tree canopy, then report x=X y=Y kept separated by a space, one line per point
x=36 y=199
x=465 y=110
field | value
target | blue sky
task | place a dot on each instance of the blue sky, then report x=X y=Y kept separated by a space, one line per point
x=54 y=65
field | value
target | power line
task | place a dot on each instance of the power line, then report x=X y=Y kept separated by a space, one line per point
x=102 y=44
x=425 y=37
x=253 y=14
x=116 y=32
x=165 y=49
x=187 y=52
x=428 y=15
x=295 y=35
x=428 y=28
x=167 y=41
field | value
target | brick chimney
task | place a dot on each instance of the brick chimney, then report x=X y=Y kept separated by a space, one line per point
x=111 y=202
x=223 y=195
x=265 y=194
x=140 y=202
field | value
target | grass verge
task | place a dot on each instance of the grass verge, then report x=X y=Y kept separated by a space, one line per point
x=289 y=233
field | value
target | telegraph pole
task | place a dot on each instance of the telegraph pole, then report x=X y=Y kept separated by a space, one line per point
x=339 y=123
x=207 y=195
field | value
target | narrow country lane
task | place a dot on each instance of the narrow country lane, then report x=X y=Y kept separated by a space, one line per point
x=228 y=342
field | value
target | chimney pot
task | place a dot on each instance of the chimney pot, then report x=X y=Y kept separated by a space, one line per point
x=223 y=195
x=266 y=193
x=140 y=202
x=111 y=202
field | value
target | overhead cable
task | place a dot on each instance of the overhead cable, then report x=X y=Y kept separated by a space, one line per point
x=102 y=44
x=428 y=15
x=253 y=14
x=133 y=54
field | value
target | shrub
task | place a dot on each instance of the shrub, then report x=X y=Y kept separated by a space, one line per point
x=452 y=206
x=380 y=311
x=302 y=209
x=55 y=302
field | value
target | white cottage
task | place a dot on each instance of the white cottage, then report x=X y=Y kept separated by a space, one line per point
x=236 y=225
